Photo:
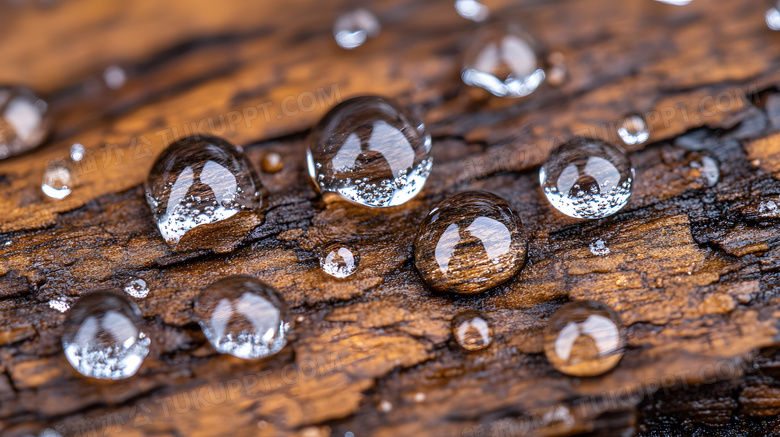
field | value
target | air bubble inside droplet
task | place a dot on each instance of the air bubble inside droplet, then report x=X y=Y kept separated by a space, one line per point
x=339 y=259
x=472 y=330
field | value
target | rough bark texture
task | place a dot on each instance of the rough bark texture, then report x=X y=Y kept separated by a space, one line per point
x=692 y=269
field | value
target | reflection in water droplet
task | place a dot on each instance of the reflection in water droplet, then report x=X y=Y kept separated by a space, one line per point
x=353 y=28
x=584 y=338
x=504 y=60
x=469 y=243
x=472 y=330
x=339 y=260
x=58 y=179
x=633 y=130
x=599 y=248
x=272 y=162
x=137 y=288
x=472 y=10
x=709 y=169
x=587 y=178
x=77 y=152
x=244 y=317
x=25 y=122
x=370 y=151
x=102 y=337
x=201 y=181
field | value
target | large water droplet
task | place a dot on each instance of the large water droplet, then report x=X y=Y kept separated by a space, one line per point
x=25 y=122
x=102 y=338
x=205 y=184
x=137 y=288
x=339 y=260
x=505 y=60
x=370 y=151
x=584 y=338
x=244 y=317
x=469 y=243
x=633 y=130
x=58 y=179
x=472 y=330
x=353 y=28
x=587 y=178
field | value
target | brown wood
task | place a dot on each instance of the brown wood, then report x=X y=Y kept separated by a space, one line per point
x=692 y=269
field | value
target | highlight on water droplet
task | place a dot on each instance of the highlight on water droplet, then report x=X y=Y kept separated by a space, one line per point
x=244 y=317
x=339 y=259
x=371 y=152
x=58 y=179
x=25 y=120
x=633 y=130
x=102 y=337
x=584 y=338
x=353 y=28
x=472 y=10
x=472 y=330
x=137 y=288
x=587 y=178
x=469 y=243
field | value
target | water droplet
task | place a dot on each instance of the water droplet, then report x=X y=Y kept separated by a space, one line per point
x=772 y=17
x=558 y=70
x=25 y=122
x=353 y=28
x=419 y=397
x=102 y=337
x=339 y=260
x=469 y=243
x=584 y=338
x=58 y=179
x=137 y=288
x=272 y=162
x=709 y=169
x=505 y=60
x=587 y=178
x=633 y=130
x=675 y=2
x=599 y=248
x=77 y=152
x=385 y=406
x=768 y=207
x=472 y=330
x=244 y=317
x=370 y=151
x=201 y=181
x=115 y=77
x=472 y=10
x=59 y=305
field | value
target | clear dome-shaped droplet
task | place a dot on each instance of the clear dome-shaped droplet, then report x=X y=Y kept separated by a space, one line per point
x=58 y=179
x=633 y=130
x=244 y=317
x=587 y=178
x=339 y=259
x=584 y=338
x=472 y=330
x=25 y=122
x=505 y=60
x=370 y=151
x=469 y=243
x=203 y=193
x=102 y=337
x=353 y=28
x=137 y=288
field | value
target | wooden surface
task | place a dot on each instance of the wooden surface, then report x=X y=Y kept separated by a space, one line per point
x=692 y=269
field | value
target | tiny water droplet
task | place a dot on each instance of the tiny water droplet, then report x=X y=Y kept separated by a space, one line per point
x=587 y=178
x=115 y=77
x=376 y=146
x=419 y=397
x=472 y=10
x=469 y=243
x=25 y=121
x=77 y=152
x=472 y=330
x=102 y=337
x=709 y=169
x=557 y=71
x=58 y=179
x=59 y=305
x=244 y=317
x=353 y=28
x=201 y=181
x=272 y=162
x=137 y=288
x=584 y=338
x=339 y=259
x=385 y=406
x=599 y=248
x=505 y=60
x=772 y=17
x=633 y=130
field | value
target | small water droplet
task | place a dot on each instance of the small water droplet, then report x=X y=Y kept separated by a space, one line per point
x=272 y=162
x=244 y=317
x=137 y=288
x=77 y=152
x=385 y=406
x=505 y=60
x=472 y=10
x=339 y=259
x=599 y=248
x=558 y=71
x=709 y=169
x=633 y=130
x=772 y=17
x=59 y=305
x=419 y=397
x=25 y=121
x=375 y=145
x=469 y=243
x=58 y=179
x=102 y=337
x=472 y=330
x=201 y=181
x=115 y=77
x=584 y=338
x=587 y=178
x=353 y=28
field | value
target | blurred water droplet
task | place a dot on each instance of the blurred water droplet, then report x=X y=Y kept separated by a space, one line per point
x=472 y=330
x=599 y=248
x=709 y=169
x=353 y=28
x=102 y=337
x=339 y=259
x=272 y=162
x=505 y=60
x=633 y=130
x=115 y=77
x=557 y=71
x=244 y=317
x=137 y=288
x=469 y=243
x=385 y=406
x=59 y=305
x=77 y=152
x=371 y=152
x=58 y=179
x=587 y=178
x=675 y=2
x=584 y=338
x=25 y=121
x=772 y=17
x=472 y=10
